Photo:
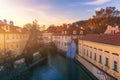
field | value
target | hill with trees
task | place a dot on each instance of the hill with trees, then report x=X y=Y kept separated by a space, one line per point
x=103 y=18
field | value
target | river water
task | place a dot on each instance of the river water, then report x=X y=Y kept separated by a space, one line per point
x=56 y=68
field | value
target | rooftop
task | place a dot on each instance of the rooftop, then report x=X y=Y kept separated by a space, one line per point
x=113 y=39
x=12 y=29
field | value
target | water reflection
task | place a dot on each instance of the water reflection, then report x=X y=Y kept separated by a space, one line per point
x=72 y=70
x=57 y=68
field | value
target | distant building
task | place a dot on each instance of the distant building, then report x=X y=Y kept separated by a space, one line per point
x=64 y=37
x=12 y=38
x=48 y=33
x=47 y=37
x=42 y=28
x=112 y=29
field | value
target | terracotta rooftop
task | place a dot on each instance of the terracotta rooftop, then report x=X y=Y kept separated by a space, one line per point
x=13 y=29
x=113 y=39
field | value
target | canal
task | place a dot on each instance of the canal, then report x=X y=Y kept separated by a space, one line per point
x=57 y=67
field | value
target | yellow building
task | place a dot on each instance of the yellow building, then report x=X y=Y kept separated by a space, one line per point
x=12 y=38
x=100 y=54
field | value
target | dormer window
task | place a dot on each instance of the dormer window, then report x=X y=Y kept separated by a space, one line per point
x=81 y=32
x=113 y=31
x=19 y=30
x=74 y=32
x=7 y=28
x=62 y=32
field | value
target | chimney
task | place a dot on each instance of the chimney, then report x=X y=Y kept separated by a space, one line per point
x=5 y=21
x=68 y=26
x=11 y=23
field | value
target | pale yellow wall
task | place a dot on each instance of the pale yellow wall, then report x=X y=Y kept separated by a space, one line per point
x=1 y=44
x=13 y=41
x=104 y=47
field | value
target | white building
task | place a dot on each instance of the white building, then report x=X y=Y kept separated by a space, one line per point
x=47 y=37
x=112 y=30
x=65 y=36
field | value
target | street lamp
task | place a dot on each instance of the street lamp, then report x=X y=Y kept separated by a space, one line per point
x=81 y=36
x=81 y=31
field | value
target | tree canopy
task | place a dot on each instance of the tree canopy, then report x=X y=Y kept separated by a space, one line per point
x=102 y=18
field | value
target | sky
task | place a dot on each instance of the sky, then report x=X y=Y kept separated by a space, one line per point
x=48 y=12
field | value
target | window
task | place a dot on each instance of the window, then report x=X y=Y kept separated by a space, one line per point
x=94 y=56
x=65 y=32
x=91 y=54
x=81 y=32
x=115 y=61
x=100 y=59
x=107 y=59
x=100 y=55
x=74 y=32
x=84 y=51
x=87 y=52
x=66 y=44
x=113 y=31
x=16 y=36
x=95 y=51
x=13 y=36
x=107 y=62
x=17 y=45
x=7 y=46
x=7 y=36
x=115 y=66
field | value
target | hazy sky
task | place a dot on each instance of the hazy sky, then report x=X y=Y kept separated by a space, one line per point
x=51 y=11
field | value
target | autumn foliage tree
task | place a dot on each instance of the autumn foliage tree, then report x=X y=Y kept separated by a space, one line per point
x=102 y=18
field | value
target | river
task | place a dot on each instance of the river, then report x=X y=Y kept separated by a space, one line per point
x=56 y=68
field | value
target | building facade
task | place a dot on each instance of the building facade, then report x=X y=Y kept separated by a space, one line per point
x=64 y=37
x=112 y=29
x=47 y=37
x=12 y=38
x=100 y=54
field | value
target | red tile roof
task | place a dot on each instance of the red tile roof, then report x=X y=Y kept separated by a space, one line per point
x=103 y=38
x=13 y=29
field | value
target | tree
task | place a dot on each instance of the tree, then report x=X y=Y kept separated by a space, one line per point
x=104 y=17
x=32 y=43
